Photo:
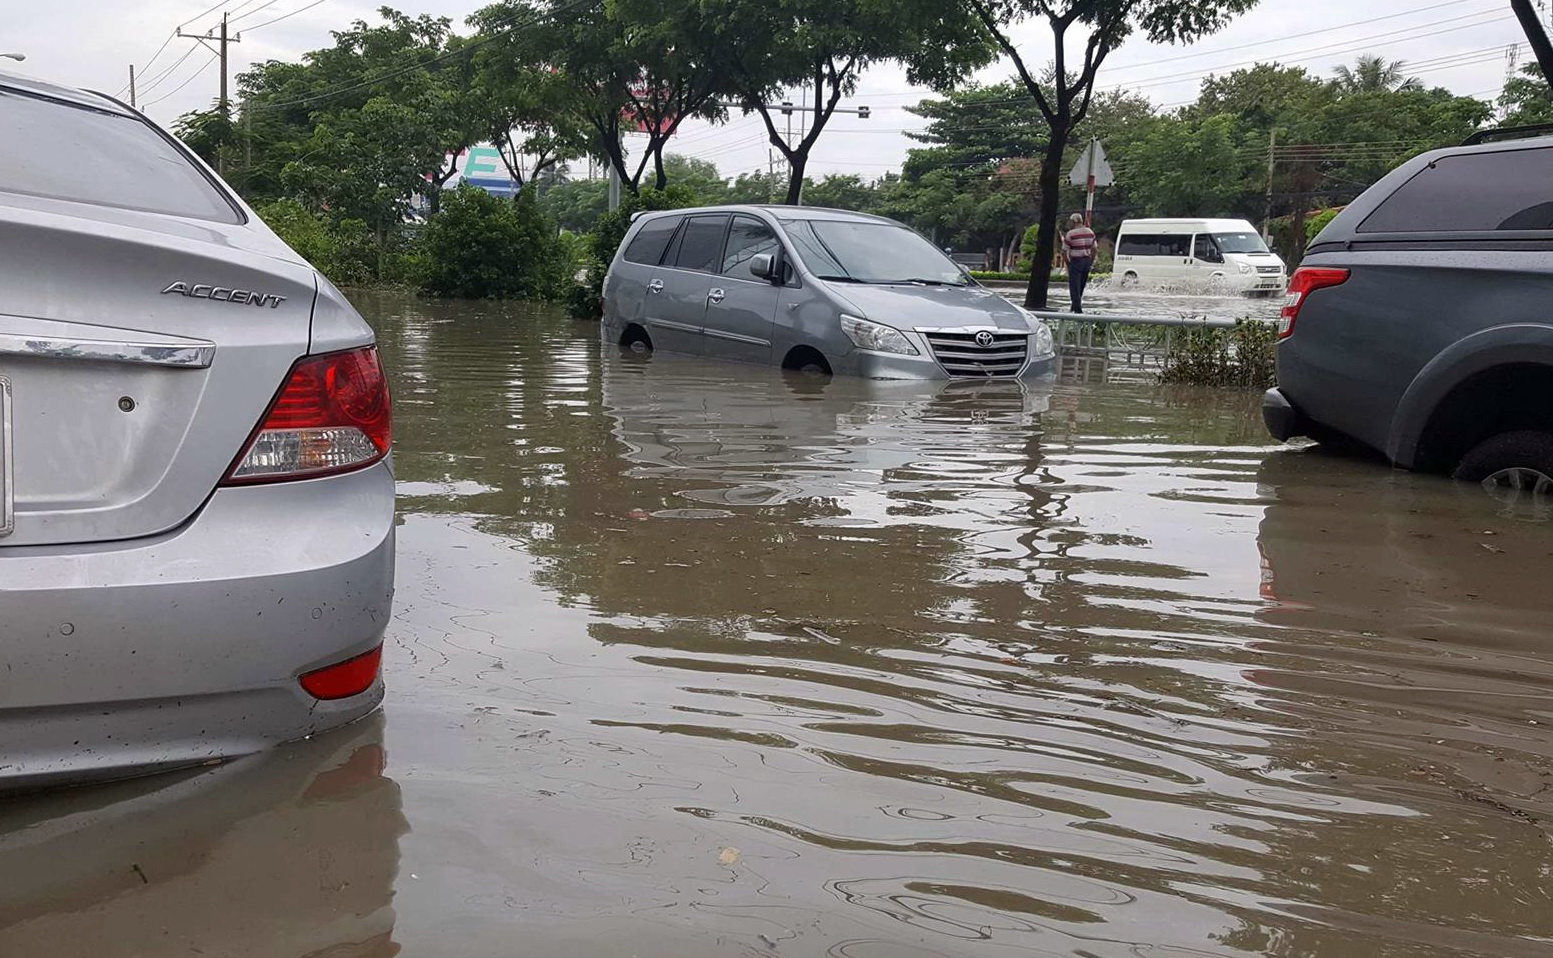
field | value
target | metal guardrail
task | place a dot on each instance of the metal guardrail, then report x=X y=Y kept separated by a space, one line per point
x=1125 y=344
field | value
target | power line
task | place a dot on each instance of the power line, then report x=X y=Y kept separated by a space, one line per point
x=284 y=16
x=192 y=77
x=237 y=15
x=466 y=48
x=172 y=34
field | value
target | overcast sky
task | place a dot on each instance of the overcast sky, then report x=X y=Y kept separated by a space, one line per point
x=1458 y=44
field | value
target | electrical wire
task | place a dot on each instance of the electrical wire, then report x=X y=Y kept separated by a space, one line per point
x=192 y=77
x=284 y=16
x=466 y=48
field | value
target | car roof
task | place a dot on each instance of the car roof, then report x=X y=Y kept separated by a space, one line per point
x=1207 y=223
x=15 y=82
x=783 y=213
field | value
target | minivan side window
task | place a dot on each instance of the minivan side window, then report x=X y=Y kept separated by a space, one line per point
x=701 y=247
x=1502 y=190
x=651 y=240
x=747 y=238
x=1154 y=244
x=1206 y=249
x=66 y=151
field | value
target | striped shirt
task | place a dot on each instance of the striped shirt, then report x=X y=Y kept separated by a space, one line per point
x=1079 y=242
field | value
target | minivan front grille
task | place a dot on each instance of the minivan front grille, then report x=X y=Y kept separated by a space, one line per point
x=961 y=355
x=1269 y=269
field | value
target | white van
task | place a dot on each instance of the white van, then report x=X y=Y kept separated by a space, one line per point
x=1223 y=254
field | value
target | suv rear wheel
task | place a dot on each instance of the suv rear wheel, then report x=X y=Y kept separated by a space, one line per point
x=1518 y=462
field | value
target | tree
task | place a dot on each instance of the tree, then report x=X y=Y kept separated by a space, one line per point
x=1531 y=25
x=1065 y=103
x=1373 y=73
x=525 y=106
x=1527 y=98
x=626 y=66
x=826 y=45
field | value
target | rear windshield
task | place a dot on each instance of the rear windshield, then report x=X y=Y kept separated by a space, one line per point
x=68 y=152
x=1502 y=190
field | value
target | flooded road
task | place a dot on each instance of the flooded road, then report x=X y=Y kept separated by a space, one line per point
x=693 y=659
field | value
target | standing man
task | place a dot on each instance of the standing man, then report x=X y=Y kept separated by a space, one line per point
x=1078 y=251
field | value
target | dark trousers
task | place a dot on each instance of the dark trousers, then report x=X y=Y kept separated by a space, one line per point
x=1078 y=278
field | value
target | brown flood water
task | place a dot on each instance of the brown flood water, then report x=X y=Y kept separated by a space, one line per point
x=693 y=660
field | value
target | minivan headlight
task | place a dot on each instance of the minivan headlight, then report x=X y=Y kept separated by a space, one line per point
x=1247 y=268
x=876 y=336
x=1042 y=343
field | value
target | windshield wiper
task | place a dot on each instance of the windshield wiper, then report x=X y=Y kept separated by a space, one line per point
x=917 y=281
x=841 y=279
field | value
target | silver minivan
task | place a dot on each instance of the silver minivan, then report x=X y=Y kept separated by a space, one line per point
x=813 y=289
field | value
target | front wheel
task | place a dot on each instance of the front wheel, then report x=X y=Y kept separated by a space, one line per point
x=1512 y=466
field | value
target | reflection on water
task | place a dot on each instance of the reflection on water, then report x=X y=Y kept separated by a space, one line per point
x=695 y=660
x=702 y=659
x=287 y=854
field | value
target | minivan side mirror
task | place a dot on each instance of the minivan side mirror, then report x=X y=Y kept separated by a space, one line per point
x=768 y=267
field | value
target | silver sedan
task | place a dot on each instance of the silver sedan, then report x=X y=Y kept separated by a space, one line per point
x=196 y=499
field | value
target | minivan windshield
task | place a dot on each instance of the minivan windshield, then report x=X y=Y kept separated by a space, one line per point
x=1240 y=243
x=871 y=253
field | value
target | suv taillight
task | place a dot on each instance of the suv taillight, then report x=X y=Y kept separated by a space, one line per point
x=333 y=415
x=1306 y=280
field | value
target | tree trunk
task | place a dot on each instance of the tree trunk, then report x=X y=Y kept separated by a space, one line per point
x=797 y=162
x=657 y=159
x=1046 y=236
x=1536 y=36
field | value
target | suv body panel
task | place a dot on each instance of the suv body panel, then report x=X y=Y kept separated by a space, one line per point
x=1420 y=314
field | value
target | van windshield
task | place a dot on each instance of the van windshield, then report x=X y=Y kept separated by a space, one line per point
x=1240 y=242
x=871 y=253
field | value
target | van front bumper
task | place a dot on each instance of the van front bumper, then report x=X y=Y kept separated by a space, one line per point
x=871 y=365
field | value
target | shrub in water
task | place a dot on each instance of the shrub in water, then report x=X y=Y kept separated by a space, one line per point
x=1243 y=357
x=483 y=247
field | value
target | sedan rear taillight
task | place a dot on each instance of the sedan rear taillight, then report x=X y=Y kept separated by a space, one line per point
x=333 y=415
x=1306 y=280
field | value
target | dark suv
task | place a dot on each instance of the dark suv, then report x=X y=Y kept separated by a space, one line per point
x=1421 y=321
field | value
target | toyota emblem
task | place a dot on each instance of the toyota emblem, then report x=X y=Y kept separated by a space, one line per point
x=985 y=339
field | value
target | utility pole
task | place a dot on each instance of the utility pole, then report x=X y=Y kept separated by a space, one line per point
x=205 y=40
x=1267 y=210
x=132 y=86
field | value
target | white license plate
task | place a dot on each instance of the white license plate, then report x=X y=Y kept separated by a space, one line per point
x=7 y=493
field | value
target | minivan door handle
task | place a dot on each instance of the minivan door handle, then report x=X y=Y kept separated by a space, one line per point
x=715 y=296
x=656 y=286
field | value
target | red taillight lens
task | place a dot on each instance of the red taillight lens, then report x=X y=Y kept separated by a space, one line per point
x=344 y=679
x=333 y=415
x=1306 y=280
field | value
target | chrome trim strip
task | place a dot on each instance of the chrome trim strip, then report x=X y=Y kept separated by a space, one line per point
x=737 y=337
x=186 y=353
x=7 y=473
x=667 y=324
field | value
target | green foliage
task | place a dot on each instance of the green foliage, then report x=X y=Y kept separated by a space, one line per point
x=1317 y=223
x=343 y=250
x=482 y=247
x=1244 y=357
x=586 y=301
x=1527 y=98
